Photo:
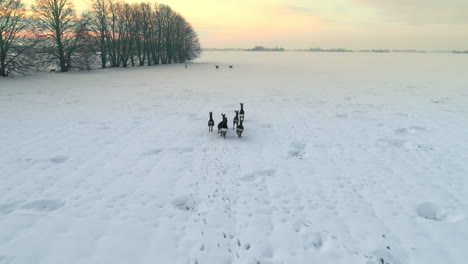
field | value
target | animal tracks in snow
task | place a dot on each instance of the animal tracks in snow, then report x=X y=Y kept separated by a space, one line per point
x=152 y=152
x=59 y=159
x=409 y=130
x=441 y=100
x=258 y=174
x=431 y=211
x=405 y=144
x=342 y=115
x=188 y=204
x=297 y=150
x=434 y=212
x=182 y=150
x=314 y=241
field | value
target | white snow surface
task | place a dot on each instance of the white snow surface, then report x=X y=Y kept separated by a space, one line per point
x=345 y=158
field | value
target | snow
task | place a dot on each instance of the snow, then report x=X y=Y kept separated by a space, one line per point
x=345 y=158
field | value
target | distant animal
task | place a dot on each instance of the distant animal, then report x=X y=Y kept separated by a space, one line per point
x=235 y=121
x=211 y=123
x=241 y=113
x=240 y=129
x=224 y=127
x=217 y=66
x=230 y=66
x=220 y=125
x=52 y=70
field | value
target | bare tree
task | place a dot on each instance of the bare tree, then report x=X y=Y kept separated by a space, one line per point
x=125 y=32
x=79 y=47
x=141 y=34
x=12 y=14
x=57 y=19
x=114 y=33
x=112 y=37
x=191 y=44
x=99 y=25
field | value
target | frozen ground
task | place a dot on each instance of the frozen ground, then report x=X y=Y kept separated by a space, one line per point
x=346 y=158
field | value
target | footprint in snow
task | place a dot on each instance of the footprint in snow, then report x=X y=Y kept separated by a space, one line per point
x=431 y=211
x=183 y=150
x=314 y=240
x=152 y=152
x=59 y=159
x=441 y=101
x=7 y=208
x=257 y=174
x=43 y=205
x=297 y=150
x=342 y=115
x=188 y=204
x=412 y=129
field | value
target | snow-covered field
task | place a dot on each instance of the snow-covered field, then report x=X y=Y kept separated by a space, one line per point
x=345 y=158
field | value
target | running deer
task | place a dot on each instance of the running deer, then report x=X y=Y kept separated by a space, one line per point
x=240 y=129
x=224 y=127
x=211 y=123
x=220 y=125
x=235 y=121
x=241 y=113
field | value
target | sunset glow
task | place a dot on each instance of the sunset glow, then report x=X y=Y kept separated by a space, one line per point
x=355 y=24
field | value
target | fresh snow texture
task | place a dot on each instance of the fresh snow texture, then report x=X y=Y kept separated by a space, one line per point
x=345 y=158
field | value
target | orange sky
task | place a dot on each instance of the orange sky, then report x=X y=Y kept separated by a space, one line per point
x=354 y=24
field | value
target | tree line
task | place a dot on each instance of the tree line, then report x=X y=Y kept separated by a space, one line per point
x=111 y=33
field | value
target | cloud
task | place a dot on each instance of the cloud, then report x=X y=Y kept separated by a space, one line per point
x=301 y=10
x=420 y=12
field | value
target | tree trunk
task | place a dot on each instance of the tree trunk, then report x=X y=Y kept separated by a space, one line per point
x=3 y=71
x=103 y=52
x=62 y=60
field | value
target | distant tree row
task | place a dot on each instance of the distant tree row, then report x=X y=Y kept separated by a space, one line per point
x=112 y=33
x=261 y=48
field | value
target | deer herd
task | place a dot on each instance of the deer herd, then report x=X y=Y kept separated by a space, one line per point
x=223 y=125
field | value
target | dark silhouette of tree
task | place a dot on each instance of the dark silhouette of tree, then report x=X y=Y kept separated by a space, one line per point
x=58 y=22
x=99 y=26
x=12 y=23
x=113 y=33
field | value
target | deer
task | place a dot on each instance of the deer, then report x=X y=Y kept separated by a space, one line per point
x=217 y=66
x=224 y=127
x=241 y=113
x=240 y=129
x=230 y=66
x=220 y=125
x=211 y=123
x=235 y=121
